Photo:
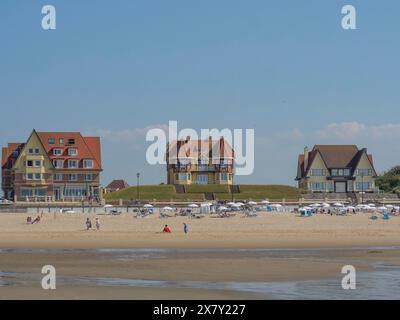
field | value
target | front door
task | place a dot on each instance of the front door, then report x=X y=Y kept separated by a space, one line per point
x=340 y=187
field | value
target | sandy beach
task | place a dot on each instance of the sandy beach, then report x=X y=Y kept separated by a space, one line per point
x=306 y=248
x=265 y=231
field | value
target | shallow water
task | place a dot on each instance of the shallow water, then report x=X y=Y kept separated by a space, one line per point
x=381 y=283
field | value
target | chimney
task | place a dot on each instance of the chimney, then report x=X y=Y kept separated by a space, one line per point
x=305 y=157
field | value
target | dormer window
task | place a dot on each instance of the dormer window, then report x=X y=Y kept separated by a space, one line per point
x=71 y=142
x=72 y=151
x=73 y=164
x=58 y=163
x=88 y=164
x=61 y=141
x=57 y=152
x=51 y=141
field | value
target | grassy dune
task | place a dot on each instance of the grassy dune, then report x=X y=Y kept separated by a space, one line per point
x=196 y=193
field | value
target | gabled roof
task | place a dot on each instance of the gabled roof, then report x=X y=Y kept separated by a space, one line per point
x=198 y=149
x=88 y=147
x=117 y=184
x=334 y=156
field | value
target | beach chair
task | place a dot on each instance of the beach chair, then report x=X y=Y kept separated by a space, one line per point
x=385 y=216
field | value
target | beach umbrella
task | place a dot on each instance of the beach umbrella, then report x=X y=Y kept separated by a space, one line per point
x=265 y=202
x=239 y=203
x=222 y=208
x=305 y=208
x=350 y=208
x=389 y=206
x=230 y=203
x=315 y=205
x=371 y=205
x=108 y=206
x=192 y=205
x=252 y=203
x=276 y=205
x=147 y=205
x=326 y=205
x=168 y=208
x=338 y=204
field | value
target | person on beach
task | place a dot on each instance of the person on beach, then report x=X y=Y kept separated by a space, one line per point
x=88 y=224
x=97 y=223
x=166 y=229
x=185 y=228
x=37 y=220
x=29 y=220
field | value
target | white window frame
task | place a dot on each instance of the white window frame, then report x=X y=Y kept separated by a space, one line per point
x=87 y=175
x=71 y=161
x=86 y=161
x=70 y=153
x=58 y=161
x=57 y=152
x=73 y=175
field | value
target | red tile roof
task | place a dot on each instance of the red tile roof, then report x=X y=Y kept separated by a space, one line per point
x=88 y=147
x=7 y=151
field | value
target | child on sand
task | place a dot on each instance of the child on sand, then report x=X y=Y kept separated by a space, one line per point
x=166 y=229
x=185 y=228
x=88 y=224
x=97 y=223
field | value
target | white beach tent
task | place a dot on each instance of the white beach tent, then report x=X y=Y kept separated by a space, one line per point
x=147 y=205
x=230 y=204
x=252 y=203
x=222 y=208
x=168 y=208
x=371 y=204
x=193 y=205
x=265 y=202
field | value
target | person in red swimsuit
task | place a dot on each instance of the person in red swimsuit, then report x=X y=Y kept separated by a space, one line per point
x=166 y=229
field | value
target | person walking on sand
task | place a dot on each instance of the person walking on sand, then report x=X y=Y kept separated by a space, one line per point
x=166 y=229
x=88 y=224
x=97 y=223
x=185 y=228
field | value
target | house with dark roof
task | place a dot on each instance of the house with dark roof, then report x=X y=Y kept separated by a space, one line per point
x=116 y=185
x=336 y=168
x=52 y=166
x=209 y=161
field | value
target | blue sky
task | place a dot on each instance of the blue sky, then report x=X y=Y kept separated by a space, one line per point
x=284 y=68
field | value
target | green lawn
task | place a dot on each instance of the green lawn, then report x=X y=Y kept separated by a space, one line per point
x=196 y=193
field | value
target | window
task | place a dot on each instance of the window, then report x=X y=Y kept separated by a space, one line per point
x=71 y=142
x=88 y=164
x=363 y=186
x=38 y=163
x=58 y=163
x=364 y=172
x=72 y=152
x=29 y=176
x=318 y=186
x=340 y=172
x=72 y=163
x=33 y=192
x=15 y=153
x=51 y=141
x=29 y=163
x=183 y=176
x=38 y=176
x=88 y=177
x=36 y=150
x=223 y=176
x=61 y=141
x=30 y=151
x=58 y=177
x=317 y=172
x=346 y=172
x=75 y=191
x=57 y=152
x=72 y=177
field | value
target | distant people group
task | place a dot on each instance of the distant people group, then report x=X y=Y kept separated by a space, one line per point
x=89 y=224
x=167 y=229
x=30 y=221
